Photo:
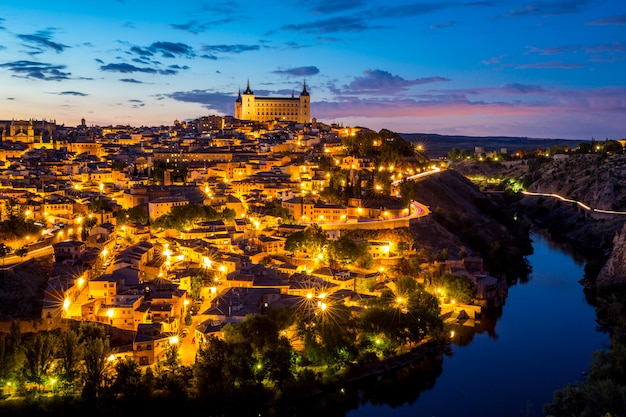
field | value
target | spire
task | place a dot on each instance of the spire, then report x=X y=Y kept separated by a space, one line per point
x=304 y=92
x=239 y=96
x=292 y=93
x=248 y=91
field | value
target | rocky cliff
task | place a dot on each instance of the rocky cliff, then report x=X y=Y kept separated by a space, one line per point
x=597 y=180
x=463 y=219
x=614 y=270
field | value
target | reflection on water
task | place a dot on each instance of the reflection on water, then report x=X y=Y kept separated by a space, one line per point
x=392 y=389
x=509 y=364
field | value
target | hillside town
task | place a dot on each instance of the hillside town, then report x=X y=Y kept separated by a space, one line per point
x=112 y=205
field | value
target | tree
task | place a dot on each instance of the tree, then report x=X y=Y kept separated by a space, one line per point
x=10 y=350
x=39 y=357
x=259 y=331
x=210 y=380
x=278 y=364
x=128 y=379
x=96 y=353
x=136 y=214
x=328 y=333
x=70 y=355
x=346 y=250
x=457 y=287
x=404 y=317
x=312 y=240
x=172 y=355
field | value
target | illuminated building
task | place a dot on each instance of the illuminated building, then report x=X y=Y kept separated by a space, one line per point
x=265 y=109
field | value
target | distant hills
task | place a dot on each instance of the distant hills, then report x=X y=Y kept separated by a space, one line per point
x=439 y=145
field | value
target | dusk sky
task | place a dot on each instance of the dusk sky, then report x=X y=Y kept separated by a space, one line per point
x=545 y=69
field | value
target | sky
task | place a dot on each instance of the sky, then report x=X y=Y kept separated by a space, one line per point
x=533 y=68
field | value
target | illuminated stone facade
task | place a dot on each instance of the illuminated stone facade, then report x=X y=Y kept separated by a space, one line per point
x=265 y=109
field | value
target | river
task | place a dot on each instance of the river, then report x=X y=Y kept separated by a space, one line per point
x=541 y=340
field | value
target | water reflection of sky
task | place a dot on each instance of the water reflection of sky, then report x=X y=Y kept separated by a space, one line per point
x=543 y=340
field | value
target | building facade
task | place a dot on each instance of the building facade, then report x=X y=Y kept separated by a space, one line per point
x=265 y=109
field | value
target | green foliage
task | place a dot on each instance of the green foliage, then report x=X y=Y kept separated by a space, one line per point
x=459 y=154
x=259 y=331
x=39 y=357
x=128 y=381
x=388 y=146
x=14 y=223
x=457 y=287
x=136 y=214
x=96 y=352
x=172 y=355
x=312 y=240
x=328 y=333
x=184 y=217
x=404 y=317
x=346 y=250
x=70 y=353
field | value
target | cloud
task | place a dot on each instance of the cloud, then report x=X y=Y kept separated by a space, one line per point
x=2 y=20
x=549 y=65
x=130 y=80
x=410 y=9
x=99 y=61
x=609 y=21
x=196 y=27
x=171 y=49
x=42 y=39
x=554 y=50
x=72 y=93
x=444 y=25
x=223 y=103
x=549 y=8
x=379 y=81
x=37 y=70
x=617 y=47
x=333 y=6
x=299 y=71
x=332 y=25
x=128 y=69
x=600 y=53
x=166 y=49
x=524 y=108
x=494 y=60
x=522 y=88
x=230 y=49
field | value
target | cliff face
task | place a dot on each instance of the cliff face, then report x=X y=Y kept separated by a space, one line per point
x=593 y=179
x=614 y=270
x=598 y=181
x=463 y=219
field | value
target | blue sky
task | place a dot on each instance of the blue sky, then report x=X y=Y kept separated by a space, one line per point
x=549 y=69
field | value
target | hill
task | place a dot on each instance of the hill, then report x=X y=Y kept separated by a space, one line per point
x=465 y=220
x=437 y=146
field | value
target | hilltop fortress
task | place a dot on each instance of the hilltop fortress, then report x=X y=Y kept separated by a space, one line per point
x=262 y=109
